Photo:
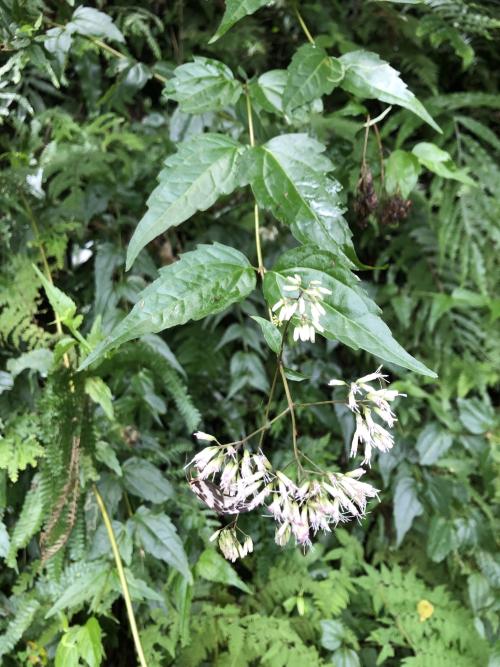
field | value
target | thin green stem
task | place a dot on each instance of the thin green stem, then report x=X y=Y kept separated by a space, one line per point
x=262 y=429
x=123 y=580
x=292 y=417
x=118 y=54
x=314 y=403
x=256 y=208
x=304 y=26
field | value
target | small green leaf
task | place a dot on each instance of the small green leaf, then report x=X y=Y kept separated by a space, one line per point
x=159 y=538
x=367 y=76
x=440 y=162
x=311 y=74
x=332 y=634
x=205 y=281
x=62 y=305
x=402 y=170
x=406 y=506
x=351 y=316
x=213 y=567
x=267 y=91
x=204 y=168
x=345 y=657
x=440 y=539
x=203 y=85
x=432 y=443
x=235 y=11
x=39 y=360
x=92 y=22
x=89 y=641
x=271 y=333
x=100 y=393
x=143 y=479
x=476 y=415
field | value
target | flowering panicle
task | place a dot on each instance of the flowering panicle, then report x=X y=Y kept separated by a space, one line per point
x=304 y=303
x=365 y=401
x=318 y=504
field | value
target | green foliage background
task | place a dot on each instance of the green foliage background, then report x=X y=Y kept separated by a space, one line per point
x=88 y=116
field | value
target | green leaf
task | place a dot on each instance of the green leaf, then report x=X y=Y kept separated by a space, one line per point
x=311 y=74
x=159 y=538
x=91 y=22
x=205 y=281
x=4 y=540
x=63 y=306
x=100 y=393
x=86 y=586
x=345 y=657
x=432 y=443
x=440 y=162
x=332 y=634
x=271 y=333
x=89 y=640
x=213 y=567
x=440 y=539
x=204 y=168
x=28 y=523
x=268 y=90
x=288 y=177
x=367 y=76
x=406 y=506
x=235 y=11
x=39 y=360
x=402 y=170
x=143 y=479
x=476 y=415
x=351 y=316
x=203 y=85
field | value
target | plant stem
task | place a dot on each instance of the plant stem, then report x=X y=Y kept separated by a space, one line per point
x=262 y=429
x=122 y=56
x=256 y=208
x=292 y=417
x=304 y=26
x=123 y=580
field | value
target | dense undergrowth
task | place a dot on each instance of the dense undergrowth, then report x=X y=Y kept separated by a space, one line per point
x=295 y=108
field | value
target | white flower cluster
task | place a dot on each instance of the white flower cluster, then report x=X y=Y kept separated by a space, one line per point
x=363 y=400
x=229 y=544
x=228 y=482
x=317 y=505
x=304 y=303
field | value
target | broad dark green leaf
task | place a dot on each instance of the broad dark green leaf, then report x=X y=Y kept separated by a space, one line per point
x=204 y=281
x=203 y=85
x=351 y=316
x=159 y=538
x=345 y=657
x=143 y=479
x=367 y=76
x=441 y=539
x=214 y=567
x=100 y=393
x=288 y=177
x=204 y=168
x=432 y=443
x=235 y=11
x=311 y=74
x=406 y=506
